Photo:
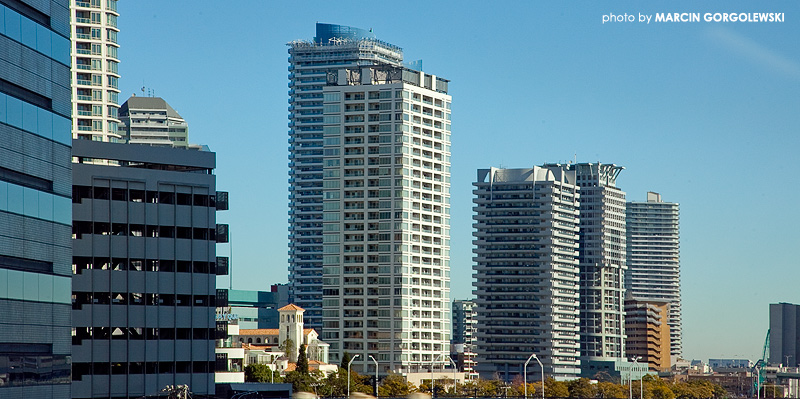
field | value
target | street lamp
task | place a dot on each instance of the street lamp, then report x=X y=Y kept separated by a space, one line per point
x=433 y=384
x=272 y=370
x=455 y=368
x=348 y=373
x=525 y=372
x=376 y=375
x=635 y=360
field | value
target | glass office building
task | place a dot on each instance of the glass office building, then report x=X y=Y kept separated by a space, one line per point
x=35 y=209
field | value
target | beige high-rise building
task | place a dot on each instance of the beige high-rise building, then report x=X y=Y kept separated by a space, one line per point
x=95 y=70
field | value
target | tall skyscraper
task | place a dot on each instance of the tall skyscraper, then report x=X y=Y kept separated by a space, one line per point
x=151 y=121
x=526 y=269
x=144 y=264
x=385 y=220
x=35 y=209
x=95 y=70
x=601 y=259
x=333 y=48
x=784 y=330
x=653 y=246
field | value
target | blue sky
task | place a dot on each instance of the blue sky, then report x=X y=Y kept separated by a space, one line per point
x=707 y=114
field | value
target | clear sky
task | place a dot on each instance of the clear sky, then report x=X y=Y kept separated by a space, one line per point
x=707 y=114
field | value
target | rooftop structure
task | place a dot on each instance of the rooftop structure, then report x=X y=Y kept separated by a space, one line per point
x=151 y=121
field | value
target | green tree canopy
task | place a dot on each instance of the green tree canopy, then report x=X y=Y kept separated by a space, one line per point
x=395 y=385
x=256 y=373
x=302 y=360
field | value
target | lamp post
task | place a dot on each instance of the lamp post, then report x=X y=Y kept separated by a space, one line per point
x=272 y=370
x=455 y=368
x=348 y=373
x=433 y=384
x=635 y=360
x=376 y=375
x=525 y=374
x=541 y=367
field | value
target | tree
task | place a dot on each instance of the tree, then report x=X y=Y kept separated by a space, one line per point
x=556 y=389
x=581 y=388
x=345 y=361
x=256 y=373
x=609 y=390
x=662 y=392
x=302 y=361
x=395 y=385
x=300 y=382
x=287 y=347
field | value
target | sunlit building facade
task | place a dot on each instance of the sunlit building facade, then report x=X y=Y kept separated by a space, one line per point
x=95 y=70
x=334 y=47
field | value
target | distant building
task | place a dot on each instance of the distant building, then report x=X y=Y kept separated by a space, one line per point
x=729 y=364
x=151 y=121
x=648 y=333
x=526 y=271
x=95 y=70
x=784 y=327
x=462 y=343
x=258 y=309
x=144 y=269
x=653 y=258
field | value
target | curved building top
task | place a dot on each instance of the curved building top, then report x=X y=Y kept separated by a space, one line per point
x=326 y=32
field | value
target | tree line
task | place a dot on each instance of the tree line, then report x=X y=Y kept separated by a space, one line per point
x=395 y=385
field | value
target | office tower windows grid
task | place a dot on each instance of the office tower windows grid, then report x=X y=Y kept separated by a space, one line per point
x=386 y=185
x=653 y=241
x=144 y=282
x=334 y=47
x=95 y=70
x=526 y=286
x=35 y=216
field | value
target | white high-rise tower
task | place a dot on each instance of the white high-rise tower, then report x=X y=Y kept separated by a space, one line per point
x=386 y=217
x=95 y=70
x=526 y=270
x=334 y=47
x=654 y=258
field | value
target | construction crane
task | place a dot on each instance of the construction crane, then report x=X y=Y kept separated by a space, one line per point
x=758 y=381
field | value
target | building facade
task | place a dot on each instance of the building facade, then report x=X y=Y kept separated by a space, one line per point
x=151 y=121
x=333 y=47
x=526 y=271
x=653 y=259
x=385 y=219
x=647 y=333
x=35 y=211
x=784 y=334
x=258 y=309
x=464 y=338
x=95 y=70
x=144 y=269
x=601 y=257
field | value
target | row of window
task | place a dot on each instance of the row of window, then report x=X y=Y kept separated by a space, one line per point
x=81 y=369
x=137 y=333
x=131 y=298
x=80 y=263
x=18 y=370
x=79 y=228
x=79 y=193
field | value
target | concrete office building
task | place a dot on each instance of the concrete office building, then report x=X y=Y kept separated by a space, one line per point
x=784 y=328
x=526 y=271
x=95 y=70
x=144 y=264
x=333 y=47
x=653 y=258
x=385 y=220
x=464 y=338
x=35 y=211
x=151 y=121
x=601 y=259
